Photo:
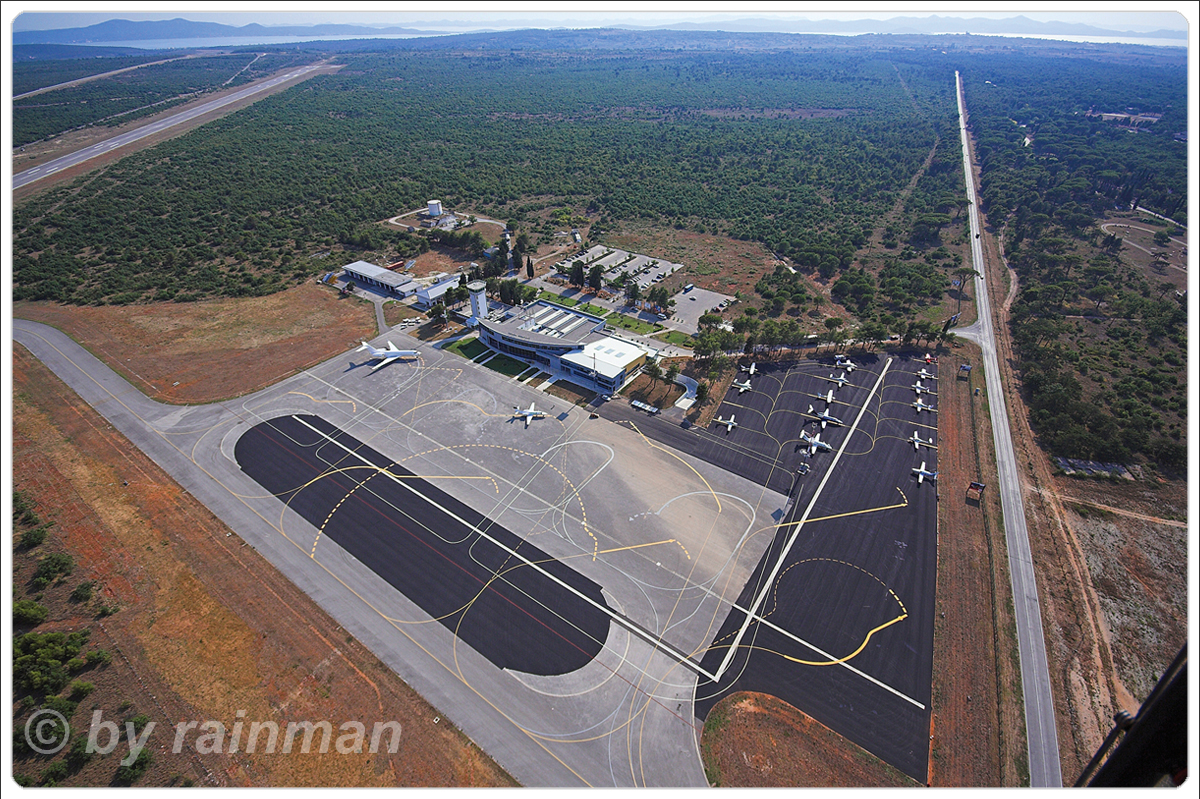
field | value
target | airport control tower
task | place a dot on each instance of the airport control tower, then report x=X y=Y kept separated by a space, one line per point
x=479 y=305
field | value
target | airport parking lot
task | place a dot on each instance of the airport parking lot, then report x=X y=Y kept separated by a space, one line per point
x=691 y=305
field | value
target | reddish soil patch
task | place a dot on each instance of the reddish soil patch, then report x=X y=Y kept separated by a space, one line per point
x=717 y=263
x=205 y=626
x=977 y=718
x=754 y=740
x=659 y=393
x=213 y=350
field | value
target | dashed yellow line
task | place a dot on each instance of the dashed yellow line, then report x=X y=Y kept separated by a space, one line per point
x=574 y=491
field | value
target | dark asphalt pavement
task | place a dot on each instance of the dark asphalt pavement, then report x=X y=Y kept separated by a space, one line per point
x=845 y=633
x=471 y=575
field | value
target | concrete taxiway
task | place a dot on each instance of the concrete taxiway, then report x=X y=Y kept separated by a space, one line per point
x=668 y=540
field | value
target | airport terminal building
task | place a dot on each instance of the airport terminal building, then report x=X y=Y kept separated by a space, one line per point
x=568 y=342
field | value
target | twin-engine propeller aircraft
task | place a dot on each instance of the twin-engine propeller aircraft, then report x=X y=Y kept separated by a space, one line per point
x=742 y=387
x=386 y=356
x=921 y=472
x=840 y=379
x=917 y=441
x=528 y=413
x=824 y=417
x=844 y=362
x=751 y=368
x=729 y=423
x=921 y=406
x=814 y=443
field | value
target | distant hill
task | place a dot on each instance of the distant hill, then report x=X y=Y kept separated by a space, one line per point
x=56 y=52
x=123 y=30
x=920 y=25
x=120 y=30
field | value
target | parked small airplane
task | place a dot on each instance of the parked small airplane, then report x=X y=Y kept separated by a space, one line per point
x=824 y=417
x=828 y=397
x=917 y=387
x=814 y=443
x=840 y=379
x=729 y=423
x=844 y=362
x=921 y=406
x=742 y=387
x=917 y=441
x=751 y=368
x=925 y=375
x=529 y=413
x=922 y=473
x=387 y=355
x=929 y=358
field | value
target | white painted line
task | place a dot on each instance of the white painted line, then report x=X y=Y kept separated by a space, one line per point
x=770 y=581
x=627 y=624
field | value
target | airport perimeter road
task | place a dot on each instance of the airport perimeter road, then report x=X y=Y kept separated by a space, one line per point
x=1044 y=765
x=57 y=165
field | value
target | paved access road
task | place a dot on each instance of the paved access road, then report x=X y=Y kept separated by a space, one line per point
x=1045 y=769
x=58 y=164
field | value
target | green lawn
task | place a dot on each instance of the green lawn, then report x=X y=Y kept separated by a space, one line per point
x=571 y=302
x=629 y=323
x=469 y=348
x=506 y=365
x=594 y=310
x=679 y=339
x=567 y=302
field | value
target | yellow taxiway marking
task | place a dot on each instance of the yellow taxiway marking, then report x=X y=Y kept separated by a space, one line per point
x=903 y=503
x=566 y=480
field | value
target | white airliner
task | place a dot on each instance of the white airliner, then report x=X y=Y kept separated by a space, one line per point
x=528 y=413
x=925 y=375
x=917 y=441
x=922 y=473
x=917 y=387
x=729 y=423
x=824 y=417
x=742 y=387
x=814 y=443
x=844 y=362
x=386 y=356
x=921 y=406
x=840 y=379
x=751 y=368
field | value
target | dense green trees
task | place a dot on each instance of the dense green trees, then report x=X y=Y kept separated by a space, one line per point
x=1101 y=351
x=709 y=140
x=130 y=95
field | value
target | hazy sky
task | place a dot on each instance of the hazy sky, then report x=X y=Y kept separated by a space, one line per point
x=49 y=15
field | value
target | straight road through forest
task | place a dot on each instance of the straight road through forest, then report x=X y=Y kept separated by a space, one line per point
x=1044 y=765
